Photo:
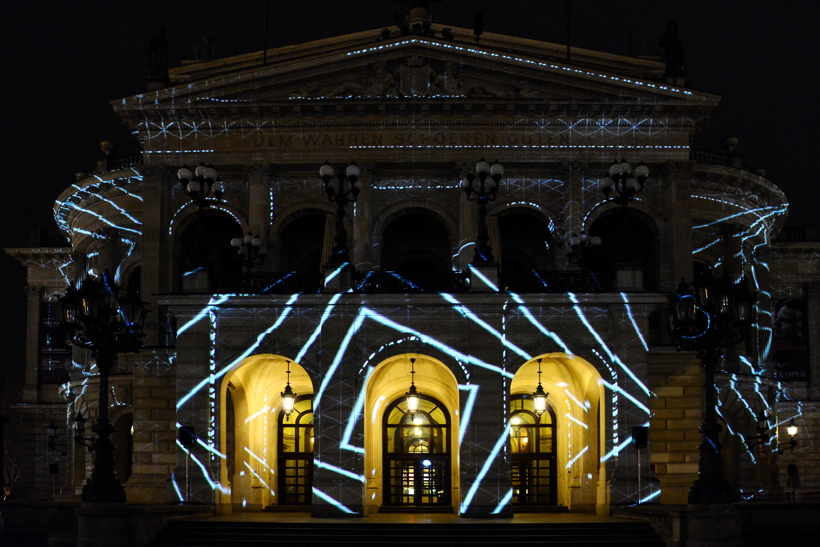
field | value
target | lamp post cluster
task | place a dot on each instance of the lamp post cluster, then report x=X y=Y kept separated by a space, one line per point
x=481 y=187
x=621 y=183
x=341 y=189
x=108 y=320
x=578 y=246
x=712 y=315
x=251 y=251
x=199 y=186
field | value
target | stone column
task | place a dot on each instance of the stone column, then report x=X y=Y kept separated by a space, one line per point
x=362 y=244
x=467 y=225
x=107 y=249
x=813 y=311
x=732 y=259
x=155 y=247
x=259 y=200
x=33 y=294
x=572 y=173
x=677 y=258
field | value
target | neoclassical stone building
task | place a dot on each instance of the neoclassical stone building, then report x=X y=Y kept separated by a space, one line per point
x=416 y=111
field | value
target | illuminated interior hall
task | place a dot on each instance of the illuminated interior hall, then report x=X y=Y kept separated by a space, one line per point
x=448 y=313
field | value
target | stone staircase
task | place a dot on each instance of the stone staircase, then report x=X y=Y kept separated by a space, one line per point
x=188 y=533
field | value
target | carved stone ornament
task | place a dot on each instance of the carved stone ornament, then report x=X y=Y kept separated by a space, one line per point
x=416 y=77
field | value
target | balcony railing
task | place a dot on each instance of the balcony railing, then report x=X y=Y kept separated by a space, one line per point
x=417 y=282
x=394 y=282
x=557 y=282
x=269 y=283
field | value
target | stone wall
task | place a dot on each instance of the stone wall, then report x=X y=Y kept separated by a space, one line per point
x=806 y=454
x=676 y=415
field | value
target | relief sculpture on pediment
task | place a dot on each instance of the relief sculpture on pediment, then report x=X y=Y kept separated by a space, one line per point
x=380 y=84
x=416 y=77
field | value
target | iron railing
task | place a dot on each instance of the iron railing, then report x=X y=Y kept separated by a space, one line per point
x=556 y=282
x=394 y=282
x=269 y=283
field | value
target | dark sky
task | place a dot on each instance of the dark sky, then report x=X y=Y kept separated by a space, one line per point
x=63 y=61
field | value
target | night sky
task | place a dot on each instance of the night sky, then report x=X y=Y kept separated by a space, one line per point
x=63 y=61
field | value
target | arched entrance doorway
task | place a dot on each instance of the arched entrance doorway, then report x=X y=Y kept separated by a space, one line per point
x=411 y=461
x=296 y=453
x=532 y=454
x=268 y=455
x=568 y=436
x=416 y=454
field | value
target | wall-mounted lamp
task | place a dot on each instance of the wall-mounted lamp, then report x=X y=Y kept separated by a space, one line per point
x=412 y=395
x=288 y=397
x=539 y=397
x=79 y=432
x=791 y=429
x=761 y=438
x=52 y=439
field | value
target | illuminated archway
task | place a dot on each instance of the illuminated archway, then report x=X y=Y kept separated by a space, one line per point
x=575 y=396
x=387 y=384
x=250 y=428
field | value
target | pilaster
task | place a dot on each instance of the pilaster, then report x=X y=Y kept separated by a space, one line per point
x=155 y=247
x=362 y=256
x=33 y=296
x=678 y=194
x=259 y=200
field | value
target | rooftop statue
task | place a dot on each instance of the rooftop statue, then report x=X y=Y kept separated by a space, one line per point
x=673 y=51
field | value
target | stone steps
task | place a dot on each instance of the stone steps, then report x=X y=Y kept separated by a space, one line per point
x=179 y=533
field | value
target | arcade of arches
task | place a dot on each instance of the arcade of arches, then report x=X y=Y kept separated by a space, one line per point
x=412 y=458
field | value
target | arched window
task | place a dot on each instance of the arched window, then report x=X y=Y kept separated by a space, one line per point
x=416 y=242
x=627 y=242
x=526 y=242
x=301 y=242
x=211 y=243
x=296 y=453
x=532 y=452
x=416 y=454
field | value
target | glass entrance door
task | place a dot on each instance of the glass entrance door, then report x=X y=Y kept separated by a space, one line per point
x=532 y=451
x=296 y=454
x=416 y=454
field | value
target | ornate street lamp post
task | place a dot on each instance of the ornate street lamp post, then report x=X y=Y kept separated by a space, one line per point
x=579 y=245
x=481 y=187
x=706 y=318
x=621 y=183
x=340 y=190
x=108 y=320
x=250 y=250
x=198 y=186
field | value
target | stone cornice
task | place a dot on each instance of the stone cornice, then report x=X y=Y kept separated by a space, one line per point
x=29 y=256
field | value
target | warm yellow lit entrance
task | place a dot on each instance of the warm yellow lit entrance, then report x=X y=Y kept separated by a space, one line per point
x=416 y=454
x=296 y=453
x=411 y=461
x=532 y=454
x=556 y=459
x=268 y=458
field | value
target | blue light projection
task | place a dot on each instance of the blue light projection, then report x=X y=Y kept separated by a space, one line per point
x=525 y=61
x=334 y=502
x=604 y=345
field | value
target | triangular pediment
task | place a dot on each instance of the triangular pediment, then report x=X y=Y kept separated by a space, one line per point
x=367 y=68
